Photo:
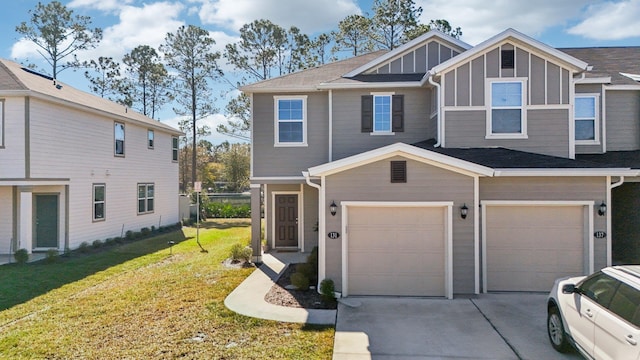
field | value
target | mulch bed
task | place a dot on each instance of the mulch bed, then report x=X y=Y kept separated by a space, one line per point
x=308 y=299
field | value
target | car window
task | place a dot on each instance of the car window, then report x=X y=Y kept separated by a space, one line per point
x=599 y=288
x=626 y=304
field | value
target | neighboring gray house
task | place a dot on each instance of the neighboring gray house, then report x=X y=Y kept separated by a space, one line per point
x=439 y=168
x=75 y=167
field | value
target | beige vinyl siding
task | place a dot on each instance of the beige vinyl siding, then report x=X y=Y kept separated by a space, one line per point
x=371 y=182
x=12 y=151
x=623 y=120
x=79 y=146
x=547 y=130
x=347 y=136
x=6 y=219
x=269 y=160
x=553 y=189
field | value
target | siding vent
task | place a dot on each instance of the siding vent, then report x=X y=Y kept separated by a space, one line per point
x=508 y=59
x=398 y=171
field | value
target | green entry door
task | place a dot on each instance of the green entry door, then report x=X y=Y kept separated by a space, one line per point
x=46 y=221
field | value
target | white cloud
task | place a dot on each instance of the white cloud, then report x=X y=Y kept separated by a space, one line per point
x=104 y=5
x=481 y=19
x=309 y=16
x=610 y=21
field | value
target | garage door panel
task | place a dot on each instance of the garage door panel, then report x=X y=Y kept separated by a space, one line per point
x=528 y=247
x=396 y=251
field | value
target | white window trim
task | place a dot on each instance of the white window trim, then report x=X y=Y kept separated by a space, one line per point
x=373 y=112
x=523 y=108
x=94 y=202
x=596 y=121
x=146 y=198
x=276 y=121
x=175 y=148
x=153 y=139
x=124 y=139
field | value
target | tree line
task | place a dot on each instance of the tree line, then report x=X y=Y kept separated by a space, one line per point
x=182 y=70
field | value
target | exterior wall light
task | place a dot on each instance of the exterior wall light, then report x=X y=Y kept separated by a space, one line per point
x=333 y=208
x=464 y=210
x=602 y=209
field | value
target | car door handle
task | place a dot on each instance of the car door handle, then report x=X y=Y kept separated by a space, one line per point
x=631 y=340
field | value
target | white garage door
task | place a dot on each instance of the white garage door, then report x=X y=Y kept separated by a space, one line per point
x=528 y=247
x=396 y=251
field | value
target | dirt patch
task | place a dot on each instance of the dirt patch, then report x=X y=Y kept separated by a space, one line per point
x=308 y=299
x=237 y=264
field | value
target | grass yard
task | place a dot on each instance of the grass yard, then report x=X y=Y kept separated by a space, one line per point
x=136 y=301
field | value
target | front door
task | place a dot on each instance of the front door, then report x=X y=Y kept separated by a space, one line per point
x=46 y=221
x=286 y=210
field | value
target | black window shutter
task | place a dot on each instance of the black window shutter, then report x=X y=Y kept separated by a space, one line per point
x=367 y=113
x=397 y=118
x=398 y=171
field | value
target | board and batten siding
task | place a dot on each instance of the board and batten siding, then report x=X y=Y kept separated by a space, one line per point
x=6 y=219
x=269 y=160
x=419 y=59
x=547 y=130
x=12 y=150
x=80 y=146
x=623 y=120
x=553 y=188
x=348 y=139
x=425 y=182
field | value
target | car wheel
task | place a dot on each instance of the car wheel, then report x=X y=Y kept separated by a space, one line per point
x=555 y=330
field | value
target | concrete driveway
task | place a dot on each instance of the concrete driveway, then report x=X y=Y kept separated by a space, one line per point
x=488 y=326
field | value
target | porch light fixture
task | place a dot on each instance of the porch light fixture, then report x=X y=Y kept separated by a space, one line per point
x=602 y=209
x=333 y=208
x=464 y=210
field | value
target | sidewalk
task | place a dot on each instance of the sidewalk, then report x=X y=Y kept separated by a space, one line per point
x=248 y=298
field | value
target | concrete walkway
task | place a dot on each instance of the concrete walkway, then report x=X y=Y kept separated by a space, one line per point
x=248 y=298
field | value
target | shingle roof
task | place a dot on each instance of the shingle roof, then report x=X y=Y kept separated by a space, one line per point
x=502 y=158
x=14 y=77
x=610 y=61
x=630 y=159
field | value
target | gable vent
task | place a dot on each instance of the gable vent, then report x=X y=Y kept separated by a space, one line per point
x=398 y=171
x=508 y=59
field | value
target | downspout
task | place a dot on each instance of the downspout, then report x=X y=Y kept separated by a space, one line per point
x=321 y=229
x=438 y=125
x=610 y=186
x=330 y=126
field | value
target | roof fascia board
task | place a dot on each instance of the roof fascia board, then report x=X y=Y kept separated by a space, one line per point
x=622 y=87
x=245 y=89
x=509 y=33
x=378 y=85
x=594 y=80
x=15 y=93
x=567 y=172
x=393 y=53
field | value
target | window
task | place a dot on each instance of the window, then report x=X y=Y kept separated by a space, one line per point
x=507 y=59
x=290 y=127
x=145 y=198
x=119 y=139
x=626 y=304
x=150 y=139
x=507 y=115
x=174 y=148
x=99 y=202
x=599 y=288
x=398 y=171
x=382 y=113
x=586 y=116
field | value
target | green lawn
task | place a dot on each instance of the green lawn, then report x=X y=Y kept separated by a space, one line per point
x=136 y=301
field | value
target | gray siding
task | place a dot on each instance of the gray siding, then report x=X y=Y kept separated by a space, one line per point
x=623 y=120
x=553 y=189
x=537 y=81
x=424 y=183
x=548 y=132
x=349 y=140
x=463 y=84
x=269 y=160
x=310 y=217
x=419 y=59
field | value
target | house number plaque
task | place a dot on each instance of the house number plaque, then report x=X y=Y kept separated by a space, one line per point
x=599 y=234
x=333 y=235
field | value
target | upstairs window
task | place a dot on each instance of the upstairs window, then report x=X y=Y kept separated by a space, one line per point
x=145 y=198
x=150 y=139
x=290 y=121
x=586 y=118
x=99 y=202
x=382 y=114
x=119 y=139
x=506 y=115
x=175 y=146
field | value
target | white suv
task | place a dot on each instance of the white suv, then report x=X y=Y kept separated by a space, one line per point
x=598 y=314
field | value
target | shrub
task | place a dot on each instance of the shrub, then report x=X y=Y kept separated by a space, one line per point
x=312 y=260
x=84 y=247
x=145 y=231
x=118 y=240
x=306 y=269
x=52 y=255
x=129 y=235
x=239 y=252
x=96 y=244
x=109 y=241
x=300 y=281
x=21 y=256
x=153 y=229
x=328 y=290
x=227 y=210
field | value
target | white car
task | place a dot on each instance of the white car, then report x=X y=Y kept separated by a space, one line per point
x=598 y=314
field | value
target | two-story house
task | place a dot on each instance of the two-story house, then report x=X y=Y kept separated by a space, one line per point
x=439 y=168
x=76 y=168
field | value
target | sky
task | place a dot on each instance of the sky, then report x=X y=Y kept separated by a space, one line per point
x=129 y=23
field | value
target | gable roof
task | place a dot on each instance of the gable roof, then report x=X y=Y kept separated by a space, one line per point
x=16 y=80
x=512 y=34
x=462 y=46
x=610 y=62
